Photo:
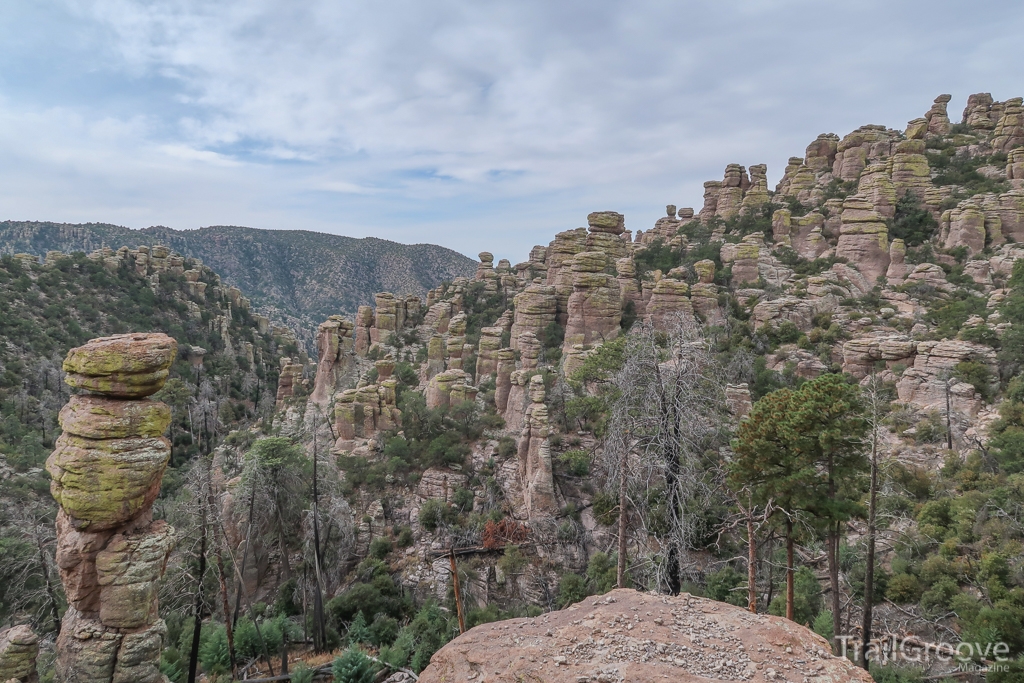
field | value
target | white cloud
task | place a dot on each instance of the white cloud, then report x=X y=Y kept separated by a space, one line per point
x=476 y=125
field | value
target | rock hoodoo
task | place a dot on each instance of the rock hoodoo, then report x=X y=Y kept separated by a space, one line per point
x=629 y=636
x=19 y=647
x=106 y=473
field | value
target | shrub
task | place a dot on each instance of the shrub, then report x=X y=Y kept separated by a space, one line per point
x=380 y=548
x=434 y=513
x=576 y=462
x=719 y=586
x=977 y=375
x=462 y=499
x=903 y=589
x=823 y=625
x=606 y=508
x=572 y=588
x=405 y=538
x=602 y=571
x=302 y=673
x=383 y=630
x=806 y=598
x=353 y=667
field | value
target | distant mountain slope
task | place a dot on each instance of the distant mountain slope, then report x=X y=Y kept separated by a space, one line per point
x=298 y=276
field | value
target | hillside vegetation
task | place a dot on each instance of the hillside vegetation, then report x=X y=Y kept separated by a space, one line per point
x=293 y=276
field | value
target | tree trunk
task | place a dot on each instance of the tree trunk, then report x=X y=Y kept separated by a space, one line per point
x=245 y=556
x=751 y=563
x=790 y=593
x=833 y=577
x=620 y=572
x=218 y=554
x=869 y=572
x=197 y=612
x=50 y=592
x=319 y=625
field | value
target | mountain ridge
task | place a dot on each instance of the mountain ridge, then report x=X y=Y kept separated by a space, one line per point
x=298 y=277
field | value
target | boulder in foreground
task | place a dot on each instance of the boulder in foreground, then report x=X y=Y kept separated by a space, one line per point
x=626 y=636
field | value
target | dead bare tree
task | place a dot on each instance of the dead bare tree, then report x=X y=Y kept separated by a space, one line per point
x=669 y=413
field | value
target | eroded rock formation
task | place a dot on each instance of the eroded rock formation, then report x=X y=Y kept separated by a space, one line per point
x=106 y=473
x=19 y=647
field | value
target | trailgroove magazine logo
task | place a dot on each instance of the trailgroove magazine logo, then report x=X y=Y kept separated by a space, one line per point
x=972 y=657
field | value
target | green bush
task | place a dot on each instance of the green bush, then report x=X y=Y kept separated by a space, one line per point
x=823 y=625
x=572 y=588
x=720 y=586
x=806 y=598
x=353 y=667
x=434 y=513
x=302 y=673
x=213 y=649
x=576 y=462
x=903 y=589
x=380 y=548
x=602 y=571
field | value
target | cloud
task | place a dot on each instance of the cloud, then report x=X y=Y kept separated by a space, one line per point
x=476 y=125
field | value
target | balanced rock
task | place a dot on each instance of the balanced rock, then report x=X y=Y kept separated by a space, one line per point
x=938 y=119
x=595 y=306
x=105 y=474
x=121 y=366
x=627 y=636
x=606 y=221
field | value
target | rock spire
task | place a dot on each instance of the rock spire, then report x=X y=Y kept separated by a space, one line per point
x=106 y=473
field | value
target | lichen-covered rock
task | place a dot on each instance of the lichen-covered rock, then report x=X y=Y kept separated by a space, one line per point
x=595 y=306
x=863 y=238
x=1015 y=167
x=626 y=636
x=629 y=286
x=98 y=417
x=670 y=301
x=821 y=154
x=535 y=455
x=910 y=171
x=105 y=474
x=289 y=378
x=487 y=355
x=88 y=652
x=503 y=380
x=127 y=570
x=606 y=221
x=938 y=119
x=19 y=647
x=897 y=271
x=793 y=309
x=448 y=388
x=966 y=227
x=925 y=384
x=877 y=186
x=743 y=258
x=1009 y=130
x=121 y=366
x=861 y=354
x=802 y=234
x=102 y=483
x=978 y=112
x=364 y=321
x=854 y=151
x=757 y=196
x=536 y=308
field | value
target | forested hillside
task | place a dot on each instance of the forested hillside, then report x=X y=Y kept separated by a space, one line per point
x=225 y=375
x=293 y=276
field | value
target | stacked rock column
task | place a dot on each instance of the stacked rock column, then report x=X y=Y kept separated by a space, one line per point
x=106 y=473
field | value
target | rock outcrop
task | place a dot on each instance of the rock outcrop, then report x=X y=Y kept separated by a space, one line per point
x=535 y=455
x=19 y=647
x=595 y=305
x=106 y=473
x=335 y=343
x=626 y=636
x=863 y=238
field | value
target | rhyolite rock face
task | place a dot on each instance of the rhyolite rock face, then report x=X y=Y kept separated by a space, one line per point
x=106 y=471
x=19 y=647
x=121 y=366
x=626 y=636
x=864 y=238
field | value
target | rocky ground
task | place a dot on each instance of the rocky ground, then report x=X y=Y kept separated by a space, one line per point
x=630 y=636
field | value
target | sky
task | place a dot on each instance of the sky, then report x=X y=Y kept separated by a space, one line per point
x=477 y=125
